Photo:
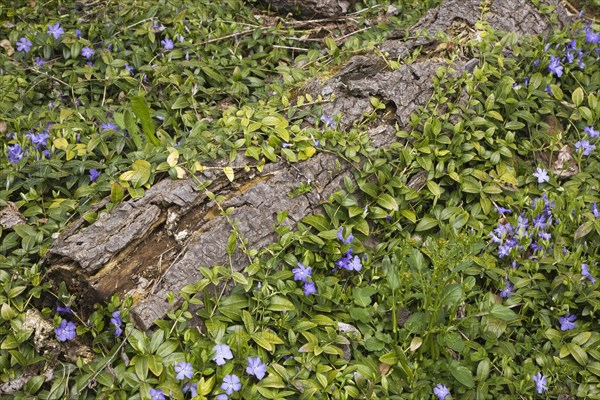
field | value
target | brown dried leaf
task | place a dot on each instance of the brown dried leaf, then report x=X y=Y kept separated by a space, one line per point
x=10 y=216
x=4 y=43
x=564 y=166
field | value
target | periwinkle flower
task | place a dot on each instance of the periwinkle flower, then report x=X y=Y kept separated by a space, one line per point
x=555 y=67
x=94 y=174
x=109 y=126
x=184 y=370
x=231 y=383
x=541 y=174
x=502 y=210
x=256 y=367
x=156 y=394
x=65 y=331
x=191 y=388
x=116 y=321
x=355 y=264
x=24 y=44
x=55 y=30
x=441 y=391
x=15 y=153
x=302 y=272
x=591 y=36
x=328 y=121
x=309 y=288
x=66 y=310
x=585 y=146
x=595 y=210
x=340 y=236
x=77 y=33
x=39 y=139
x=222 y=397
x=591 y=131
x=167 y=44
x=222 y=353
x=540 y=382
x=39 y=62
x=87 y=52
x=508 y=289
x=567 y=322
x=129 y=68
x=585 y=271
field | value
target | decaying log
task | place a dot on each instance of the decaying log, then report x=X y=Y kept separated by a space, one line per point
x=309 y=9
x=154 y=245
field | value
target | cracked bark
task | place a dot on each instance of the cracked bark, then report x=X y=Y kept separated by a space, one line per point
x=154 y=245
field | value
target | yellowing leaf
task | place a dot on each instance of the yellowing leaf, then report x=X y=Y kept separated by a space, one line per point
x=173 y=158
x=61 y=143
x=228 y=173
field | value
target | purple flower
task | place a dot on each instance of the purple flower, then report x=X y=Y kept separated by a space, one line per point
x=15 y=153
x=192 y=388
x=503 y=250
x=309 y=288
x=167 y=44
x=24 y=44
x=39 y=62
x=328 y=121
x=585 y=271
x=39 y=139
x=567 y=322
x=55 y=30
x=595 y=210
x=64 y=310
x=340 y=236
x=184 y=370
x=344 y=260
x=508 y=289
x=540 y=382
x=536 y=63
x=222 y=353
x=502 y=210
x=156 y=394
x=109 y=126
x=586 y=147
x=355 y=264
x=441 y=391
x=222 y=397
x=302 y=273
x=129 y=68
x=541 y=174
x=77 y=33
x=591 y=36
x=256 y=367
x=65 y=331
x=116 y=321
x=231 y=383
x=94 y=174
x=591 y=131
x=555 y=67
x=87 y=52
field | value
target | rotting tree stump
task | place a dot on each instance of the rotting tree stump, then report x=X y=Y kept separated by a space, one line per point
x=151 y=246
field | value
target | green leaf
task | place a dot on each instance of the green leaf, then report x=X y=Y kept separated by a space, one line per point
x=426 y=223
x=141 y=173
x=578 y=353
x=577 y=96
x=142 y=111
x=279 y=303
x=434 y=188
x=462 y=375
x=451 y=295
x=181 y=102
x=317 y=221
x=362 y=296
x=388 y=202
x=583 y=230
x=228 y=171
x=503 y=313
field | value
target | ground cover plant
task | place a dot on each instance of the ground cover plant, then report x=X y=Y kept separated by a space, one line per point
x=481 y=282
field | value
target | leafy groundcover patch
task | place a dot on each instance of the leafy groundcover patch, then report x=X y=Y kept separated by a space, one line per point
x=481 y=282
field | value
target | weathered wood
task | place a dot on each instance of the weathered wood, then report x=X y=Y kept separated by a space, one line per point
x=309 y=9
x=154 y=245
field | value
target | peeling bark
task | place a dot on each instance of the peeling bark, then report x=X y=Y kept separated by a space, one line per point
x=308 y=9
x=154 y=245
